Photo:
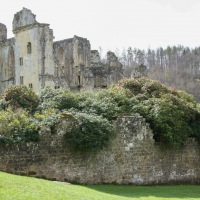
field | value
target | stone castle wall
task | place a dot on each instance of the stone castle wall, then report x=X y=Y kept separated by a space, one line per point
x=7 y=64
x=131 y=158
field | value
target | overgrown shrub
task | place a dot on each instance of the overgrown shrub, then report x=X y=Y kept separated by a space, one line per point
x=18 y=126
x=195 y=123
x=49 y=117
x=29 y=131
x=101 y=104
x=3 y=104
x=91 y=132
x=172 y=114
x=66 y=100
x=169 y=122
x=133 y=85
x=123 y=98
x=21 y=96
x=150 y=88
x=47 y=94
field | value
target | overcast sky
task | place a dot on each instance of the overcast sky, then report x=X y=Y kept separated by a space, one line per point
x=115 y=24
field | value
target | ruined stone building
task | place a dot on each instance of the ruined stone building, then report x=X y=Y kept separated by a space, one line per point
x=33 y=59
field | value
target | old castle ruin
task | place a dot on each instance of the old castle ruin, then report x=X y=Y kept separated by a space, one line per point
x=33 y=59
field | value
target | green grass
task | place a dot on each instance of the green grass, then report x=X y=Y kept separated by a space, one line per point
x=14 y=187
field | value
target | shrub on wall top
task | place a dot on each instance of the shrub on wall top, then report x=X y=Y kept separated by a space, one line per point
x=21 y=96
x=16 y=126
x=172 y=114
x=91 y=132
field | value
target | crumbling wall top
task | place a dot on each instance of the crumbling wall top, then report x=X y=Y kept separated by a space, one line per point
x=95 y=57
x=111 y=56
x=23 y=18
x=3 y=32
x=113 y=62
x=81 y=42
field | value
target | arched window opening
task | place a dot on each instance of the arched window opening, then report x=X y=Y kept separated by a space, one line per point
x=61 y=56
x=29 y=48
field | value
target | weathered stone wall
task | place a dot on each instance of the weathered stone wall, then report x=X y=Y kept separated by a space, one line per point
x=71 y=60
x=131 y=158
x=105 y=74
x=63 y=62
x=7 y=64
x=115 y=71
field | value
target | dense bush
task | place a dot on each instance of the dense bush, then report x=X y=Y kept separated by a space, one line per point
x=148 y=87
x=3 y=104
x=21 y=96
x=47 y=94
x=173 y=115
x=48 y=117
x=169 y=122
x=16 y=126
x=91 y=132
x=100 y=103
x=66 y=100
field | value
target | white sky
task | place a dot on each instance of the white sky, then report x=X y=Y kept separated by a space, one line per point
x=115 y=24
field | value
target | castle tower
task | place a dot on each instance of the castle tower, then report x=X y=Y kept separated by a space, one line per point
x=33 y=51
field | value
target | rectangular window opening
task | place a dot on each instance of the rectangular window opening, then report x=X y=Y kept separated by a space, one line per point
x=20 y=61
x=21 y=80
x=30 y=85
x=29 y=48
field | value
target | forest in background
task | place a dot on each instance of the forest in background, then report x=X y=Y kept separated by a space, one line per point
x=174 y=66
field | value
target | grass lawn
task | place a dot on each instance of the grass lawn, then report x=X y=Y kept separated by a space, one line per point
x=14 y=187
